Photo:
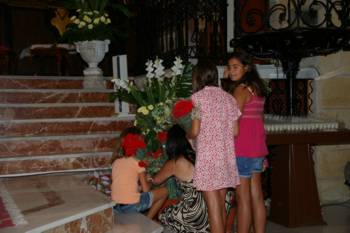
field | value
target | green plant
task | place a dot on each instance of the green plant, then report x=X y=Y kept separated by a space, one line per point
x=91 y=21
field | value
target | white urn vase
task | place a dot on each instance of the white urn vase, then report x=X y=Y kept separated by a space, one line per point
x=93 y=52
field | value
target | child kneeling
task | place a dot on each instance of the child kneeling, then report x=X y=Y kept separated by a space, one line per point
x=131 y=190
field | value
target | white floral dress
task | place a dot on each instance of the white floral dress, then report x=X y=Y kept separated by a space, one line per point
x=215 y=166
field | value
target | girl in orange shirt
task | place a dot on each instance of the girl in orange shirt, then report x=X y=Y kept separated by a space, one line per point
x=127 y=173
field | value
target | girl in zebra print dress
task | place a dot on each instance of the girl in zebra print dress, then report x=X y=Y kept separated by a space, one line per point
x=190 y=213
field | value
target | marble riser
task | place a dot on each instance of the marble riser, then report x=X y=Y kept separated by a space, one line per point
x=53 y=97
x=8 y=113
x=33 y=83
x=52 y=163
x=100 y=222
x=32 y=146
x=44 y=82
x=84 y=126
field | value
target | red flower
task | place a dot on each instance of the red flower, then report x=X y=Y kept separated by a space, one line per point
x=157 y=153
x=142 y=164
x=182 y=108
x=162 y=136
x=131 y=143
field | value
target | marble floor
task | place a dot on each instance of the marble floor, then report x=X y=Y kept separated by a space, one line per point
x=63 y=197
x=337 y=218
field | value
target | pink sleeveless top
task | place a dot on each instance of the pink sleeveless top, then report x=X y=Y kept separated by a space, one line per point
x=251 y=140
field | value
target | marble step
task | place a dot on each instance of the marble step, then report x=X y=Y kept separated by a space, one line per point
x=55 y=110
x=70 y=126
x=13 y=96
x=78 y=162
x=44 y=82
x=40 y=82
x=61 y=144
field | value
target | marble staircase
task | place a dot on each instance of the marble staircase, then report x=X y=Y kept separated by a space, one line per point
x=50 y=124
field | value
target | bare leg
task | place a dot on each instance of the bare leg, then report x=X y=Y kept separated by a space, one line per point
x=212 y=198
x=223 y=208
x=244 y=216
x=258 y=205
x=230 y=219
x=159 y=197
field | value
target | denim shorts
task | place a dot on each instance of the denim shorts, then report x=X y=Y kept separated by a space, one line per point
x=248 y=166
x=146 y=200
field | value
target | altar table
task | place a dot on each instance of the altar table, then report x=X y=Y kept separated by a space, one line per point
x=294 y=196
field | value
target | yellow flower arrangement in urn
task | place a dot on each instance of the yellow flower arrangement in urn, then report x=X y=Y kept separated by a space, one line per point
x=91 y=21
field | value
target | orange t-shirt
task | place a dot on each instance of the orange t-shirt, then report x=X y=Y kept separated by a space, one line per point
x=125 y=177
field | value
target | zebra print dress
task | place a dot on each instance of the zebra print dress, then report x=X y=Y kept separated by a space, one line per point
x=190 y=215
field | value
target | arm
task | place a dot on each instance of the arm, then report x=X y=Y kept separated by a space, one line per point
x=235 y=128
x=193 y=133
x=226 y=73
x=165 y=172
x=145 y=185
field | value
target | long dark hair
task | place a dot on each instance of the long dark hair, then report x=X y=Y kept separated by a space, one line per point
x=204 y=74
x=177 y=145
x=251 y=78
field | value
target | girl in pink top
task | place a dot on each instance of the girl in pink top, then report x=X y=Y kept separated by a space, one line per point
x=215 y=167
x=250 y=143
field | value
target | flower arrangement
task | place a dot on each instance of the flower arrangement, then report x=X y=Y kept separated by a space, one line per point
x=154 y=103
x=156 y=98
x=90 y=21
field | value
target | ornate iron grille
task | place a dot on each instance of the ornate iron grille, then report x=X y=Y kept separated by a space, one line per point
x=189 y=28
x=289 y=30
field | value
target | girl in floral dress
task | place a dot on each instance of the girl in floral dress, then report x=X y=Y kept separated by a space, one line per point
x=215 y=168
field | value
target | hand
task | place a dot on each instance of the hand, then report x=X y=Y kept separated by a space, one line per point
x=226 y=73
x=149 y=178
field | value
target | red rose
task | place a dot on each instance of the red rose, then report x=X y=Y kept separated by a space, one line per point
x=142 y=164
x=157 y=153
x=131 y=143
x=162 y=136
x=182 y=108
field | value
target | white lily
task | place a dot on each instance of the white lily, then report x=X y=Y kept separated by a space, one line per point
x=149 y=69
x=120 y=84
x=178 y=67
x=159 y=68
